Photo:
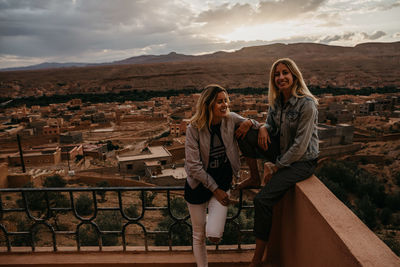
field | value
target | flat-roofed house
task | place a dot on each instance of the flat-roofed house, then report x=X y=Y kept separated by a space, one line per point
x=137 y=163
x=35 y=157
x=70 y=152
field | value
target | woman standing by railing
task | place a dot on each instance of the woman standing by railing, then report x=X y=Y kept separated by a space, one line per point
x=212 y=157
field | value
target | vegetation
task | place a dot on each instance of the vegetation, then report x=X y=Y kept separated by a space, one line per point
x=132 y=211
x=37 y=200
x=102 y=194
x=55 y=181
x=111 y=146
x=136 y=95
x=109 y=221
x=397 y=178
x=88 y=235
x=23 y=240
x=316 y=90
x=79 y=158
x=364 y=195
x=180 y=233
x=244 y=221
x=148 y=198
x=84 y=205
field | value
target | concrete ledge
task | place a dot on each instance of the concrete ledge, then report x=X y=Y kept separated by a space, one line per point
x=110 y=259
x=313 y=228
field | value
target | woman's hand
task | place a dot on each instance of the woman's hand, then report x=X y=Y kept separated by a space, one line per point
x=221 y=196
x=263 y=138
x=243 y=129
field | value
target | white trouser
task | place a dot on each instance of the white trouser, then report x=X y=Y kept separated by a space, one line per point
x=211 y=225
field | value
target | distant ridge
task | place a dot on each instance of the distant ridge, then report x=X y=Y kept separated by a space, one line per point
x=255 y=51
x=374 y=65
x=144 y=59
x=171 y=57
x=47 y=65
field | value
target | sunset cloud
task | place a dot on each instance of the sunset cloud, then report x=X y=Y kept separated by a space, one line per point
x=362 y=36
x=103 y=31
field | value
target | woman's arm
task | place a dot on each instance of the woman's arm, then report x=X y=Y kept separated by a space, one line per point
x=308 y=115
x=263 y=134
x=193 y=163
x=244 y=125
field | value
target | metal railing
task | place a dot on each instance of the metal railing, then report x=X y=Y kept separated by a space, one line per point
x=40 y=208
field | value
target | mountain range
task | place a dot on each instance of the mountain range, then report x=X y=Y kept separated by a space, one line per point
x=364 y=65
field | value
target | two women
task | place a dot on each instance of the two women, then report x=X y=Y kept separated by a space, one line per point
x=212 y=158
x=288 y=140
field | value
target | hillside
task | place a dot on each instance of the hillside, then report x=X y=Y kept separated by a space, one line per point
x=365 y=65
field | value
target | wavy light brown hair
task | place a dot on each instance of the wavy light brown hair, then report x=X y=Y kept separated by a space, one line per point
x=204 y=107
x=299 y=88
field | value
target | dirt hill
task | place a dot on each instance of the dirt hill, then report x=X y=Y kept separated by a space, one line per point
x=365 y=65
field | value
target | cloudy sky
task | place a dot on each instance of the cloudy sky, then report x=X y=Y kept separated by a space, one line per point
x=36 y=31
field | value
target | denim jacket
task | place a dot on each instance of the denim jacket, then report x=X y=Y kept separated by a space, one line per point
x=197 y=151
x=296 y=124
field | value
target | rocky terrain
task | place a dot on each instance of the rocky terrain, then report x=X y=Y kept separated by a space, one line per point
x=365 y=65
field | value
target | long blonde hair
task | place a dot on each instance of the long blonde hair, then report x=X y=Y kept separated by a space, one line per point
x=299 y=88
x=204 y=107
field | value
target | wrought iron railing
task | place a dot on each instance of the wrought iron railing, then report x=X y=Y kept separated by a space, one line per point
x=23 y=211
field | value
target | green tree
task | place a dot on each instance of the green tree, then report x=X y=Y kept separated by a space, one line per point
x=22 y=226
x=393 y=244
x=367 y=184
x=366 y=211
x=180 y=233
x=111 y=146
x=132 y=211
x=88 y=235
x=56 y=199
x=84 y=205
x=393 y=201
x=386 y=216
x=148 y=198
x=79 y=158
x=109 y=221
x=36 y=200
x=245 y=220
x=340 y=172
x=397 y=178
x=55 y=181
x=102 y=194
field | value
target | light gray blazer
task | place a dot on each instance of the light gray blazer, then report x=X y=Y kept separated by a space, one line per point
x=197 y=150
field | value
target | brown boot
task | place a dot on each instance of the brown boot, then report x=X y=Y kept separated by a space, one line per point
x=254 y=179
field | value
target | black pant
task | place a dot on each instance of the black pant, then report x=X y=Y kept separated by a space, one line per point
x=274 y=190
x=249 y=147
x=281 y=181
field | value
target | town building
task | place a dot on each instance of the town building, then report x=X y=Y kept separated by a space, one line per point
x=37 y=156
x=178 y=128
x=137 y=163
x=331 y=135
